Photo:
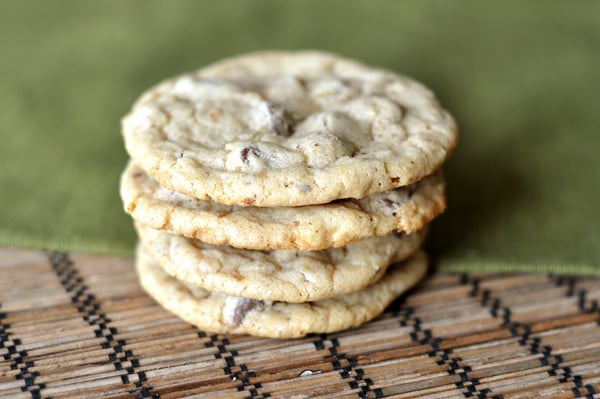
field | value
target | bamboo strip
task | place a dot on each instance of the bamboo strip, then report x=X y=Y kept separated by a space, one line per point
x=450 y=337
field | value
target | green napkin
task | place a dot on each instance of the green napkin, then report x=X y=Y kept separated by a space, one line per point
x=522 y=79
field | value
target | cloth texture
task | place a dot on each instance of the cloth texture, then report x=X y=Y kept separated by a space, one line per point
x=521 y=77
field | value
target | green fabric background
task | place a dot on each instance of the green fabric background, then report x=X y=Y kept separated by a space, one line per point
x=522 y=79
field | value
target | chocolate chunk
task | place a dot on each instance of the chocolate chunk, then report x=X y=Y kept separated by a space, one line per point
x=281 y=121
x=388 y=202
x=243 y=307
x=246 y=150
x=244 y=154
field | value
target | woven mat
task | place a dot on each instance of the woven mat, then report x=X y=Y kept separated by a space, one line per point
x=80 y=326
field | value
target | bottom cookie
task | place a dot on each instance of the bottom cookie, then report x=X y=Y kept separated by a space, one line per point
x=225 y=314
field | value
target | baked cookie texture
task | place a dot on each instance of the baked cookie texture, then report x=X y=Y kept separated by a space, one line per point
x=288 y=129
x=284 y=193
x=235 y=315
x=279 y=275
x=313 y=227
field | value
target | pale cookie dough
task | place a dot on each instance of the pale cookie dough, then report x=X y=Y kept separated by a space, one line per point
x=278 y=275
x=225 y=314
x=288 y=129
x=311 y=227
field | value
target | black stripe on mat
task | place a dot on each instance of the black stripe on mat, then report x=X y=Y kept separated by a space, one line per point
x=562 y=373
x=496 y=309
x=347 y=368
x=235 y=370
x=583 y=304
x=533 y=344
x=467 y=385
x=584 y=307
x=18 y=359
x=494 y=305
x=89 y=307
x=522 y=331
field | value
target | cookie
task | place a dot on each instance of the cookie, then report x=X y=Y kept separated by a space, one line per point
x=225 y=314
x=288 y=129
x=311 y=227
x=277 y=275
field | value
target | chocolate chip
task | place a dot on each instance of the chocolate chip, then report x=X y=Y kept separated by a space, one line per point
x=388 y=202
x=282 y=122
x=243 y=307
x=244 y=154
x=246 y=150
x=395 y=180
x=138 y=175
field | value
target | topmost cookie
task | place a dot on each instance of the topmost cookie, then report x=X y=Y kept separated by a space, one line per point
x=288 y=129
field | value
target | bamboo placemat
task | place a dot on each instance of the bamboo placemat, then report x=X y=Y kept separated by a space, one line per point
x=80 y=326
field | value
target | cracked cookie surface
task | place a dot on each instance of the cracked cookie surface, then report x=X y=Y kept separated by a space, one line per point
x=311 y=227
x=279 y=275
x=288 y=129
x=235 y=315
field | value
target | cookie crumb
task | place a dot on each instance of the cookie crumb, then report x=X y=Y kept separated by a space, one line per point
x=306 y=373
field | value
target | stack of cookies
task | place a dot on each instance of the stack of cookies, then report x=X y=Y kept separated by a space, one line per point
x=283 y=193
